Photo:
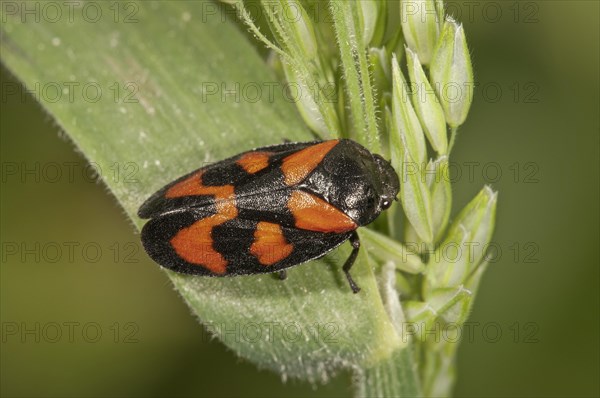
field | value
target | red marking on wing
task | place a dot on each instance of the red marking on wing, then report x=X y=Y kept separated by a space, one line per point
x=194 y=243
x=270 y=246
x=314 y=214
x=298 y=165
x=192 y=186
x=253 y=162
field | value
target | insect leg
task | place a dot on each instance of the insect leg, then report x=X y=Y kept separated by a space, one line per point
x=355 y=242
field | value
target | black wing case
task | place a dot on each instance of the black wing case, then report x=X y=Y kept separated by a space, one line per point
x=235 y=247
x=231 y=171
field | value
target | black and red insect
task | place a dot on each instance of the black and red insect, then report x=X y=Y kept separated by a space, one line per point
x=268 y=209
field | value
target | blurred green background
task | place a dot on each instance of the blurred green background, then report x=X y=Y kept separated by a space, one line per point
x=72 y=263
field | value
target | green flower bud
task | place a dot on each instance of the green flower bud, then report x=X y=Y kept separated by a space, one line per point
x=306 y=104
x=415 y=198
x=450 y=305
x=406 y=131
x=436 y=175
x=438 y=181
x=373 y=18
x=368 y=11
x=440 y=302
x=384 y=250
x=421 y=26
x=301 y=28
x=409 y=156
x=462 y=251
x=412 y=240
x=427 y=106
x=452 y=73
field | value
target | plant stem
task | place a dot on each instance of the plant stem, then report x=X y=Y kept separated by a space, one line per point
x=356 y=73
x=453 y=134
x=396 y=374
x=393 y=377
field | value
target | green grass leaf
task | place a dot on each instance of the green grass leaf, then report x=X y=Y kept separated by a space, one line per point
x=152 y=87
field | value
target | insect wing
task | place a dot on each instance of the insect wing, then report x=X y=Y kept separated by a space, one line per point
x=201 y=187
x=196 y=242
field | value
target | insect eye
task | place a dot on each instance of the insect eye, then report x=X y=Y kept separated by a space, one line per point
x=386 y=203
